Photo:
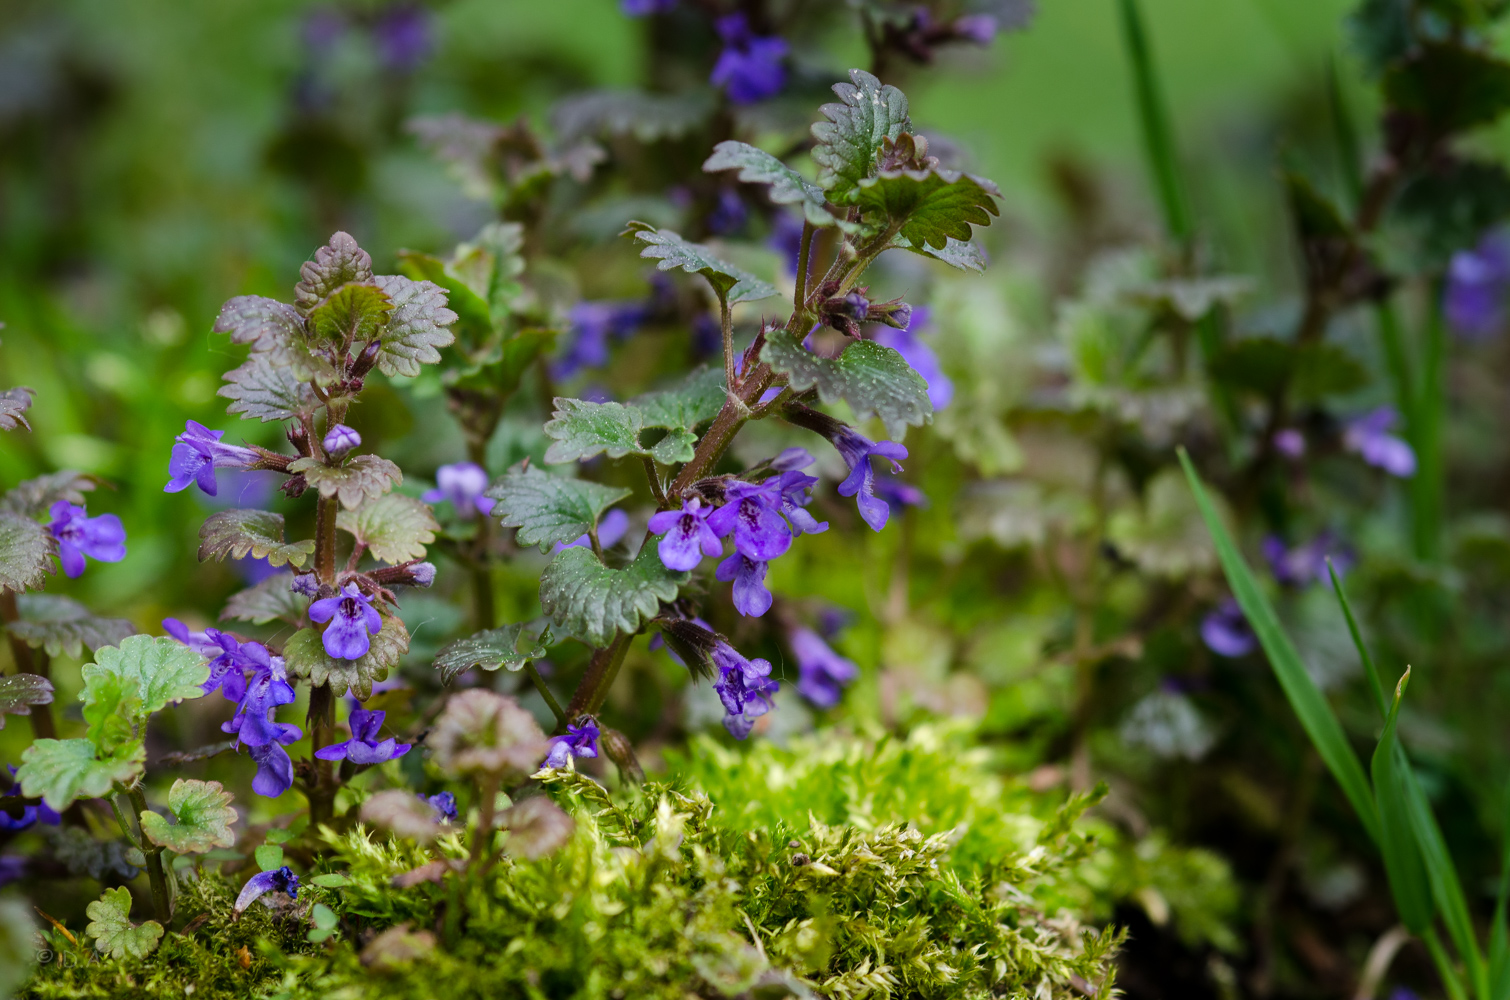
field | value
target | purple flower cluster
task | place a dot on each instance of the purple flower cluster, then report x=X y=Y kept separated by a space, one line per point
x=352 y=618
x=365 y=747
x=1478 y=282
x=822 y=673
x=197 y=453
x=751 y=67
x=579 y=741
x=461 y=484
x=79 y=535
x=591 y=326
x=1369 y=437
x=745 y=688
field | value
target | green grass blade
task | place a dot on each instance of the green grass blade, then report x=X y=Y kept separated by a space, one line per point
x=1426 y=437
x=1402 y=859
x=1449 y=976
x=1158 y=138
x=1445 y=887
x=1305 y=697
x=1499 y=932
x=1352 y=628
x=1350 y=160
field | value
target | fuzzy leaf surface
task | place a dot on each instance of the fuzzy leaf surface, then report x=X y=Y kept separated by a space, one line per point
x=352 y=314
x=258 y=533
x=26 y=550
x=63 y=626
x=266 y=324
x=157 y=671
x=417 y=327
x=272 y=599
x=204 y=813
x=872 y=379
x=305 y=657
x=695 y=400
x=32 y=497
x=394 y=527
x=868 y=112
x=113 y=932
x=19 y=692
x=787 y=186
x=580 y=429
x=338 y=262
x=593 y=602
x=266 y=389
x=1449 y=85
x=930 y=206
x=61 y=771
x=363 y=478
x=509 y=647
x=13 y=406
x=548 y=509
x=963 y=254
x=673 y=252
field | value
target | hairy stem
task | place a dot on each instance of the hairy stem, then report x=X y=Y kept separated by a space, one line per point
x=804 y=263
x=322 y=787
x=325 y=540
x=29 y=661
x=726 y=322
x=154 y=855
x=601 y=671
x=653 y=476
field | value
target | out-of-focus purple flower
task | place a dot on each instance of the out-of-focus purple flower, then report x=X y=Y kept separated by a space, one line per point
x=12 y=869
x=1369 y=436
x=896 y=491
x=462 y=484
x=644 y=8
x=79 y=535
x=822 y=673
x=751 y=68
x=1478 y=282
x=745 y=688
x=687 y=536
x=909 y=344
x=752 y=513
x=591 y=324
x=1304 y=564
x=403 y=37
x=30 y=815
x=364 y=747
x=579 y=741
x=444 y=804
x=786 y=239
x=1290 y=443
x=1226 y=632
x=748 y=575
x=977 y=28
x=340 y=439
x=707 y=336
x=254 y=571
x=857 y=451
x=729 y=213
x=279 y=880
x=612 y=528
x=197 y=453
x=352 y=617
x=323 y=27
x=832 y=621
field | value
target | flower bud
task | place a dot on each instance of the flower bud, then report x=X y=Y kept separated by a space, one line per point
x=617 y=748
x=299 y=438
x=895 y=313
x=366 y=360
x=305 y=583
x=410 y=574
x=340 y=439
x=845 y=313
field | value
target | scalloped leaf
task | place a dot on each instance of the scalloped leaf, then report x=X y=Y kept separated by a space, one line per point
x=363 y=478
x=113 y=932
x=63 y=626
x=266 y=324
x=19 y=692
x=416 y=329
x=872 y=379
x=26 y=551
x=352 y=314
x=931 y=207
x=272 y=599
x=395 y=528
x=33 y=497
x=258 y=533
x=693 y=401
x=335 y=264
x=262 y=388
x=548 y=509
x=647 y=117
x=963 y=254
x=580 y=429
x=592 y=602
x=509 y=647
x=13 y=406
x=155 y=670
x=204 y=813
x=786 y=186
x=61 y=771
x=305 y=658
x=1449 y=85
x=672 y=252
x=868 y=113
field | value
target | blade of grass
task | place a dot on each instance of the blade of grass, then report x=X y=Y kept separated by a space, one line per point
x=1158 y=139
x=1439 y=957
x=1352 y=628
x=1499 y=932
x=1310 y=705
x=1426 y=437
x=1402 y=859
x=1445 y=887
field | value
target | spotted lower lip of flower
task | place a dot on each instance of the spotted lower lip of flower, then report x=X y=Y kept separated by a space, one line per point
x=822 y=673
x=579 y=741
x=364 y=747
x=79 y=535
x=197 y=453
x=748 y=576
x=752 y=513
x=352 y=618
x=278 y=880
x=686 y=535
x=461 y=484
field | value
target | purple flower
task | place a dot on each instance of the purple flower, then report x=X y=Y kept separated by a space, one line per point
x=254 y=571
x=279 y=880
x=977 y=28
x=857 y=451
x=364 y=746
x=354 y=617
x=323 y=28
x=612 y=528
x=793 y=487
x=904 y=494
x=402 y=36
x=644 y=8
x=1477 y=283
x=822 y=672
x=752 y=513
x=12 y=869
x=253 y=723
x=80 y=535
x=591 y=326
x=686 y=535
x=198 y=453
x=30 y=815
x=729 y=213
x=751 y=68
x=1226 y=632
x=462 y=484
x=1303 y=564
x=306 y=584
x=340 y=439
x=579 y=741
x=229 y=657
x=422 y=574
x=444 y=804
x=909 y=344
x=1369 y=436
x=750 y=595
x=275 y=770
x=744 y=686
x=1290 y=443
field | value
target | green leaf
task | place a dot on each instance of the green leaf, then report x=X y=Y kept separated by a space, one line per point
x=1305 y=697
x=335 y=264
x=579 y=429
x=1381 y=32
x=869 y=113
x=13 y=406
x=19 y=692
x=304 y=656
x=1449 y=203
x=1370 y=671
x=365 y=477
x=351 y=315
x=1193 y=298
x=548 y=509
x=113 y=932
x=928 y=207
x=487 y=265
x=416 y=329
x=592 y=602
x=325 y=921
x=1163 y=534
x=33 y=497
x=269 y=857
x=694 y=401
x=333 y=880
x=272 y=599
x=1263 y=365
x=1446 y=889
x=672 y=251
x=63 y=626
x=266 y=324
x=956 y=253
x=1153 y=117
x=647 y=117
x=26 y=551
x=871 y=378
x=1449 y=85
x=395 y=528
x=158 y=670
x=204 y=813
x=258 y=533
x=265 y=387
x=113 y=710
x=509 y=647
x=1402 y=861
x=60 y=771
x=787 y=186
